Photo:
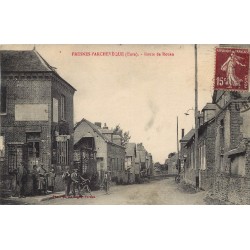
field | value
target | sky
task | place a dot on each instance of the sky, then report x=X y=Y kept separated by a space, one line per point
x=144 y=94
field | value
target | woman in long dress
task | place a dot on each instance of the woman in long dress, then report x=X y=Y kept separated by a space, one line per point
x=229 y=67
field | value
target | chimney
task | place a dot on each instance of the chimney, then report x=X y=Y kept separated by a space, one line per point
x=105 y=126
x=98 y=124
x=182 y=133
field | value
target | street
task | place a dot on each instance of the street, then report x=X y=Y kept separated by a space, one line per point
x=156 y=192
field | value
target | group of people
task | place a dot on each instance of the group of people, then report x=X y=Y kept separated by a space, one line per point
x=43 y=180
x=75 y=181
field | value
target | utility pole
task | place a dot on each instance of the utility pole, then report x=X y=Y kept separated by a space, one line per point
x=178 y=161
x=196 y=148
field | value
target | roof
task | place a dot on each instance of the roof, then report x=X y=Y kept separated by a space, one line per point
x=209 y=106
x=236 y=151
x=106 y=131
x=25 y=61
x=130 y=149
x=97 y=130
x=187 y=136
x=117 y=136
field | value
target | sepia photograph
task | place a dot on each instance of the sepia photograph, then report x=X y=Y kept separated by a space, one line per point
x=124 y=124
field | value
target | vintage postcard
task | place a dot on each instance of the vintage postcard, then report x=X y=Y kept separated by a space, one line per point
x=124 y=124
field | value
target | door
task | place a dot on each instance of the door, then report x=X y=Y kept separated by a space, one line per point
x=33 y=149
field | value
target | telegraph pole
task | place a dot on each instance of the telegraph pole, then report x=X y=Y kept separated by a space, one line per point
x=196 y=148
x=177 y=128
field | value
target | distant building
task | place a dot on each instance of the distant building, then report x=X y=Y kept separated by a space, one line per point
x=171 y=164
x=110 y=156
x=36 y=115
x=130 y=161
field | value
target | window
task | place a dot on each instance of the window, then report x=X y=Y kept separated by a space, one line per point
x=63 y=152
x=2 y=147
x=62 y=107
x=192 y=158
x=238 y=164
x=55 y=110
x=3 y=100
x=222 y=134
x=202 y=154
x=33 y=149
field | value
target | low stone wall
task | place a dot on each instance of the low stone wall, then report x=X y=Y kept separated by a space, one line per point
x=234 y=189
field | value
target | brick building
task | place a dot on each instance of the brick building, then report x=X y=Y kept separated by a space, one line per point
x=110 y=155
x=36 y=115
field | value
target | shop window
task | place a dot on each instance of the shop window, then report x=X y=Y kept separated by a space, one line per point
x=3 y=100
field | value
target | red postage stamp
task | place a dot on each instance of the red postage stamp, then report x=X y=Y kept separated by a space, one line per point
x=231 y=69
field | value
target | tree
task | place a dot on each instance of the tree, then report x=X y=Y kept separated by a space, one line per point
x=171 y=154
x=124 y=135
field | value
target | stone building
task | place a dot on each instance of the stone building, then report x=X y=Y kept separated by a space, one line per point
x=110 y=155
x=232 y=147
x=36 y=114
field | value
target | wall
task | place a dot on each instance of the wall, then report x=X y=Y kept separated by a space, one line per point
x=117 y=152
x=26 y=91
x=64 y=126
x=207 y=142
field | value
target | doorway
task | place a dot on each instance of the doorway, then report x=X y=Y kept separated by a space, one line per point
x=33 y=148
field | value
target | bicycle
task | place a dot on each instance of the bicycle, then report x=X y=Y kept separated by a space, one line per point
x=178 y=177
x=84 y=186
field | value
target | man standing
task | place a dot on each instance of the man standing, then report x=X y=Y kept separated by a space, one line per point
x=22 y=177
x=35 y=178
x=107 y=181
x=75 y=177
x=67 y=180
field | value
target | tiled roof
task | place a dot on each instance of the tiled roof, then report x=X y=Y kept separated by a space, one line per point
x=106 y=131
x=97 y=130
x=25 y=61
x=187 y=136
x=117 y=136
